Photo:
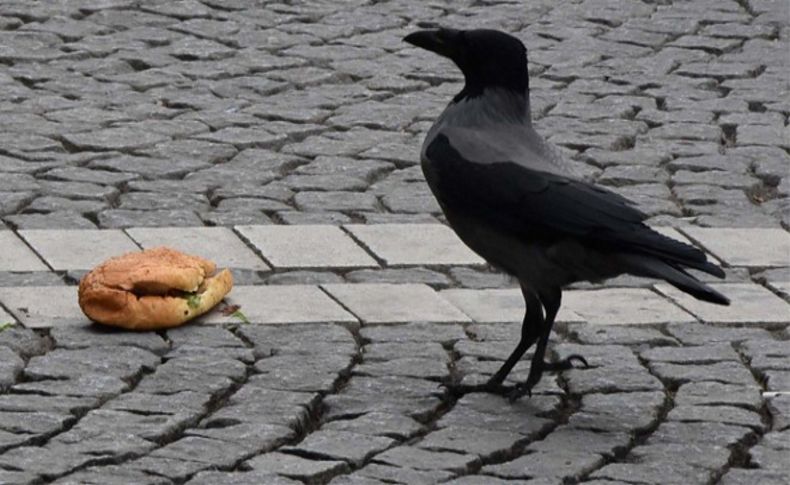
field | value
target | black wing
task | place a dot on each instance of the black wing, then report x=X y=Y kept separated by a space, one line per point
x=537 y=204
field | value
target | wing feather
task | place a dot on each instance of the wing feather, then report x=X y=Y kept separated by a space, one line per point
x=538 y=204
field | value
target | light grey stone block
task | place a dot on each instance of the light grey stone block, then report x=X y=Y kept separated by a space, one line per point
x=415 y=244
x=315 y=246
x=497 y=305
x=5 y=317
x=16 y=256
x=43 y=306
x=78 y=249
x=623 y=306
x=281 y=304
x=218 y=244
x=753 y=247
x=751 y=303
x=386 y=303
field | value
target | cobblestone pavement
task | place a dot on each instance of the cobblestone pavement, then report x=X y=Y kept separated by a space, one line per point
x=148 y=119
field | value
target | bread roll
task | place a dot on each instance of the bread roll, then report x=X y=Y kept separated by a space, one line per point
x=152 y=289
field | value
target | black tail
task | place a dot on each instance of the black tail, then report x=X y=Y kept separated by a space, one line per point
x=643 y=265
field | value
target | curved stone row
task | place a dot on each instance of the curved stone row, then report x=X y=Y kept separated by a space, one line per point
x=123 y=115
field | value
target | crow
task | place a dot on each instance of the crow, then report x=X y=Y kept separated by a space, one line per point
x=514 y=200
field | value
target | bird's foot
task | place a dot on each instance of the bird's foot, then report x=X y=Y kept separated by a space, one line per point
x=489 y=387
x=566 y=363
x=536 y=373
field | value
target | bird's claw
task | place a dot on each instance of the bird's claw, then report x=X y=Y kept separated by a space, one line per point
x=461 y=389
x=519 y=392
x=566 y=363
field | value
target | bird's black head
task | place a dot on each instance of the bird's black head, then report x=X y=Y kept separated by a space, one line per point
x=487 y=58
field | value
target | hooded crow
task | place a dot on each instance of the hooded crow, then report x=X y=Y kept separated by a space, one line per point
x=512 y=198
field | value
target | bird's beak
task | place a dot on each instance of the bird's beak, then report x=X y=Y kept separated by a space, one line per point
x=433 y=40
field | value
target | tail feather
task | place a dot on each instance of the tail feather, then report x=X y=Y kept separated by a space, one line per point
x=674 y=252
x=677 y=277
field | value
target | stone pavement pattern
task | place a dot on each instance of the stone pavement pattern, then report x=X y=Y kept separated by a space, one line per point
x=151 y=119
x=128 y=113
x=334 y=373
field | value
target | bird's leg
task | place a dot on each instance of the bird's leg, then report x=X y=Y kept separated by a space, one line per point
x=551 y=300
x=530 y=331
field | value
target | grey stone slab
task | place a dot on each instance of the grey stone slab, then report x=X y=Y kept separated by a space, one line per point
x=692 y=355
x=43 y=461
x=77 y=249
x=315 y=246
x=777 y=381
x=396 y=474
x=6 y=319
x=293 y=466
x=47 y=404
x=342 y=445
x=497 y=305
x=317 y=372
x=377 y=424
x=123 y=218
x=95 y=336
x=43 y=307
x=619 y=412
x=716 y=414
x=623 y=306
x=16 y=256
x=421 y=459
x=653 y=473
x=701 y=334
x=710 y=456
x=30 y=278
x=387 y=351
x=487 y=444
x=620 y=335
x=751 y=304
x=385 y=303
x=569 y=438
x=111 y=475
x=724 y=372
x=495 y=413
x=602 y=379
x=240 y=478
x=18 y=478
x=150 y=427
x=715 y=393
x=738 y=476
x=176 y=470
x=398 y=275
x=185 y=403
x=414 y=244
x=260 y=437
x=119 y=138
x=34 y=423
x=300 y=340
x=88 y=385
x=219 y=244
x=414 y=332
x=122 y=362
x=205 y=450
x=11 y=366
x=405 y=366
x=753 y=247
x=280 y=304
x=560 y=464
x=23 y=341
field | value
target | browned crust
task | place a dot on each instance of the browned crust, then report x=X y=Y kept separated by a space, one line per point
x=136 y=290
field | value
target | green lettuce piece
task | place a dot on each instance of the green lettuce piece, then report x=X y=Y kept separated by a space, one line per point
x=240 y=316
x=193 y=300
